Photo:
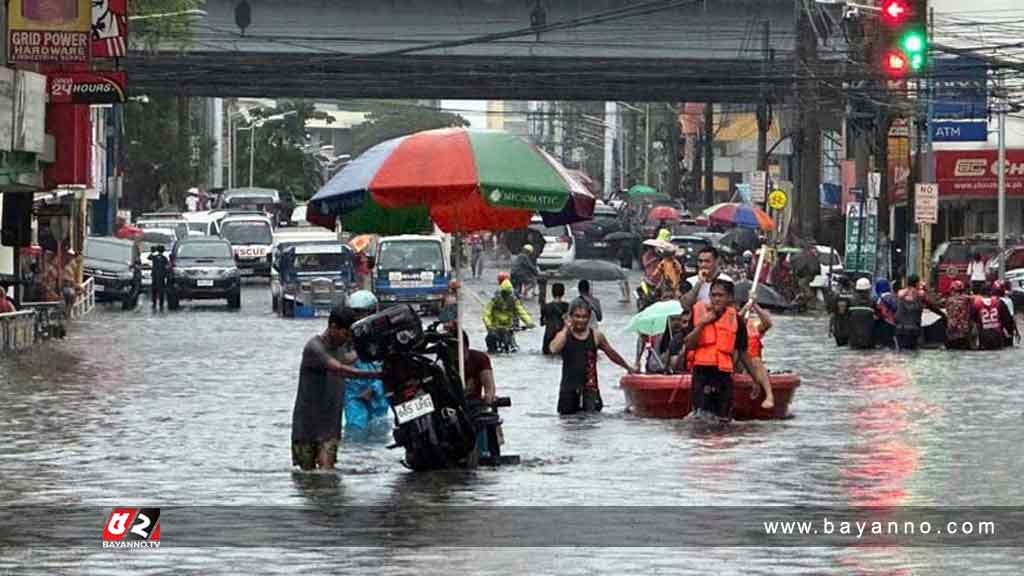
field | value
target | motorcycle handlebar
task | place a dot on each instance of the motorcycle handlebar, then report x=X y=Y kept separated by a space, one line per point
x=501 y=402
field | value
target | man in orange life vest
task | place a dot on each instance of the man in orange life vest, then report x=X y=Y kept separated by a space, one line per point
x=718 y=333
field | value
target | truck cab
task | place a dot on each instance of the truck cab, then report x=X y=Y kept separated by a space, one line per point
x=315 y=277
x=411 y=269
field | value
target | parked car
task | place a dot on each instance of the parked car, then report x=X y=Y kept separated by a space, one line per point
x=164 y=220
x=831 y=263
x=950 y=260
x=1014 y=273
x=264 y=200
x=154 y=237
x=251 y=237
x=559 y=244
x=411 y=269
x=201 y=224
x=115 y=268
x=203 y=269
x=315 y=277
x=590 y=242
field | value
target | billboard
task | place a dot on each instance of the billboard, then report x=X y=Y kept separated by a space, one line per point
x=960 y=88
x=49 y=30
x=974 y=173
x=109 y=28
x=29 y=112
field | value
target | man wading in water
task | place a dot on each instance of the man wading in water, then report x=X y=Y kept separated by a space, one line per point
x=578 y=344
x=316 y=419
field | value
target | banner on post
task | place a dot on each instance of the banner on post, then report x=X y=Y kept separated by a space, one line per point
x=759 y=186
x=109 y=28
x=49 y=31
x=861 y=239
x=926 y=204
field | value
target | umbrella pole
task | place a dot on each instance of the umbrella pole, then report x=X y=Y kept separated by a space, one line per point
x=757 y=274
x=458 y=309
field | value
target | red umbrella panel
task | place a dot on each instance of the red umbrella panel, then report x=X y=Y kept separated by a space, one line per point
x=663 y=213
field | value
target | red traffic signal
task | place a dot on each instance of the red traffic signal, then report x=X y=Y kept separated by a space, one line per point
x=894 y=12
x=895 y=63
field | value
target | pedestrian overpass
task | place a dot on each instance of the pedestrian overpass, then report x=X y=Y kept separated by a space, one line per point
x=672 y=50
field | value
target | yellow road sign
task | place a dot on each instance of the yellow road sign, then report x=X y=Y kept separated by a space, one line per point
x=777 y=199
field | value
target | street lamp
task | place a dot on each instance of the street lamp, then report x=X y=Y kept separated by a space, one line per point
x=253 y=125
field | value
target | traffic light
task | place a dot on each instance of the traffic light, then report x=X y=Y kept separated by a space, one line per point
x=904 y=36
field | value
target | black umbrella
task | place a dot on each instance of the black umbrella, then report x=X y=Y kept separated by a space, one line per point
x=767 y=297
x=740 y=239
x=592 y=270
x=514 y=240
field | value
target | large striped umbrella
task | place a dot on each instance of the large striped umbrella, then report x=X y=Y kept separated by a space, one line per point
x=741 y=215
x=465 y=180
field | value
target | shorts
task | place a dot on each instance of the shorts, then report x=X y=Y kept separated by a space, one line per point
x=712 y=392
x=304 y=454
x=574 y=401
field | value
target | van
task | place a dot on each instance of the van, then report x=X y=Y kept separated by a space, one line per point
x=251 y=237
x=411 y=269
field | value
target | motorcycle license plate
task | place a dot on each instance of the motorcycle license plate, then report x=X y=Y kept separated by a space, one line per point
x=99 y=287
x=413 y=409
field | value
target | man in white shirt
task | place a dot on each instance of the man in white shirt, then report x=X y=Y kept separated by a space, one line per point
x=976 y=271
x=707 y=272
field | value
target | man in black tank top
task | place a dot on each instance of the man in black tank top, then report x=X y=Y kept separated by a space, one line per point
x=577 y=343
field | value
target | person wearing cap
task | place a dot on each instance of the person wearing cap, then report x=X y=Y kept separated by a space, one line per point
x=861 y=317
x=159 y=265
x=524 y=272
x=700 y=283
x=365 y=401
x=959 y=319
x=500 y=314
x=327 y=360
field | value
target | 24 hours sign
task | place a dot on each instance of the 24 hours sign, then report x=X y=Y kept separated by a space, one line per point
x=86 y=87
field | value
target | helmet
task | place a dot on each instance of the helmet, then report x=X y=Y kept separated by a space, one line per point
x=664 y=235
x=862 y=284
x=999 y=288
x=748 y=254
x=502 y=276
x=528 y=248
x=362 y=300
x=957 y=286
x=506 y=285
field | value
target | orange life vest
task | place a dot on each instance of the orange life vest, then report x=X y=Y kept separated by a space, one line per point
x=754 y=344
x=717 y=341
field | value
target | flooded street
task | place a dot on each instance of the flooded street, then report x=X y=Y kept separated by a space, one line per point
x=194 y=408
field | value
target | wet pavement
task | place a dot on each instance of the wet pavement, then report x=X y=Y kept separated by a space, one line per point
x=194 y=408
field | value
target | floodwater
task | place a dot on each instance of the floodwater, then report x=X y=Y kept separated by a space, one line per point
x=193 y=408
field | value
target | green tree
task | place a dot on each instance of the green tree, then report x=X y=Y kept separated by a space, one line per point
x=155 y=33
x=282 y=158
x=163 y=158
x=391 y=119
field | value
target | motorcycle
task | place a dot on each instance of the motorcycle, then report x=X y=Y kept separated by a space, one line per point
x=434 y=423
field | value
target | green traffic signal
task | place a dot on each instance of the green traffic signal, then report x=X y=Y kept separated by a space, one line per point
x=915 y=45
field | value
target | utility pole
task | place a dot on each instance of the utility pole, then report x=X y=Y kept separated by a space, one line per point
x=1001 y=168
x=808 y=139
x=709 y=154
x=647 y=145
x=763 y=119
